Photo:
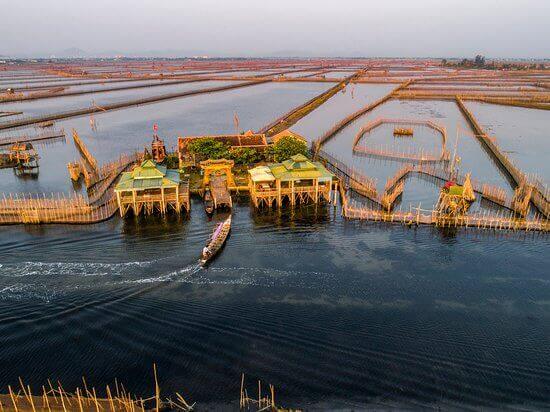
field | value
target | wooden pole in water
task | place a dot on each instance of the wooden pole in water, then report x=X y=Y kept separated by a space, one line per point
x=95 y=400
x=79 y=400
x=52 y=390
x=241 y=397
x=14 y=401
x=62 y=401
x=157 y=389
x=45 y=401
x=30 y=399
x=111 y=403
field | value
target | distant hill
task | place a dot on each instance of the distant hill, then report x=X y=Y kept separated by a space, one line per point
x=72 y=52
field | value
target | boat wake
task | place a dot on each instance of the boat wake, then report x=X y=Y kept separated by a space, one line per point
x=47 y=280
x=76 y=269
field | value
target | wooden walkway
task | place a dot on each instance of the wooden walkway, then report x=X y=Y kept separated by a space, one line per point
x=109 y=174
x=220 y=193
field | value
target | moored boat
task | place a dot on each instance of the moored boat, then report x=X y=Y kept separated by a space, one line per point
x=208 y=202
x=216 y=241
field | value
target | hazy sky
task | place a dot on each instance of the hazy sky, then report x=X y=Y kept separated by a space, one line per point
x=505 y=28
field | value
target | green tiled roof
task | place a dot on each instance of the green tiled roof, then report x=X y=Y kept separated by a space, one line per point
x=456 y=190
x=148 y=175
x=298 y=167
x=299 y=162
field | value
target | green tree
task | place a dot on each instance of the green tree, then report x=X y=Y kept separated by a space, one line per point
x=286 y=147
x=479 y=60
x=245 y=155
x=172 y=161
x=209 y=148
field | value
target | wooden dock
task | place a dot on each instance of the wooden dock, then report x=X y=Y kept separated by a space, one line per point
x=220 y=192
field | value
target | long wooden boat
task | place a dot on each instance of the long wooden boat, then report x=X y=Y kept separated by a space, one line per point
x=219 y=236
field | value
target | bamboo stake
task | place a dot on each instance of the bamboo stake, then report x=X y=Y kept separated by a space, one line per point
x=13 y=399
x=62 y=401
x=45 y=397
x=110 y=398
x=52 y=390
x=157 y=389
x=95 y=401
x=79 y=400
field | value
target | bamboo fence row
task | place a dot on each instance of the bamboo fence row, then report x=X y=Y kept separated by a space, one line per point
x=61 y=208
x=502 y=220
x=115 y=398
x=385 y=152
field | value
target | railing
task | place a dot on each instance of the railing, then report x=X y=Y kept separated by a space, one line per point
x=357 y=181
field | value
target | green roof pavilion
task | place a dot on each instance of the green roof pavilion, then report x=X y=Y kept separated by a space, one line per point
x=151 y=186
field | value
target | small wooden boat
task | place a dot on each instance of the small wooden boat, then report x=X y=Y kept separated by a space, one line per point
x=402 y=131
x=44 y=125
x=216 y=241
x=208 y=202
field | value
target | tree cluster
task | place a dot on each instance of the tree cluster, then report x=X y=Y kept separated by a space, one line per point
x=285 y=148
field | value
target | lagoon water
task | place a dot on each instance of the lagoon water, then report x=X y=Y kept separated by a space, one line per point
x=333 y=313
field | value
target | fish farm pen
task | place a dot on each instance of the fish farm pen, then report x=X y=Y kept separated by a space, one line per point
x=223 y=217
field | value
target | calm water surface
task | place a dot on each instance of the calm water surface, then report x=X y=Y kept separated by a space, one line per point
x=333 y=313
